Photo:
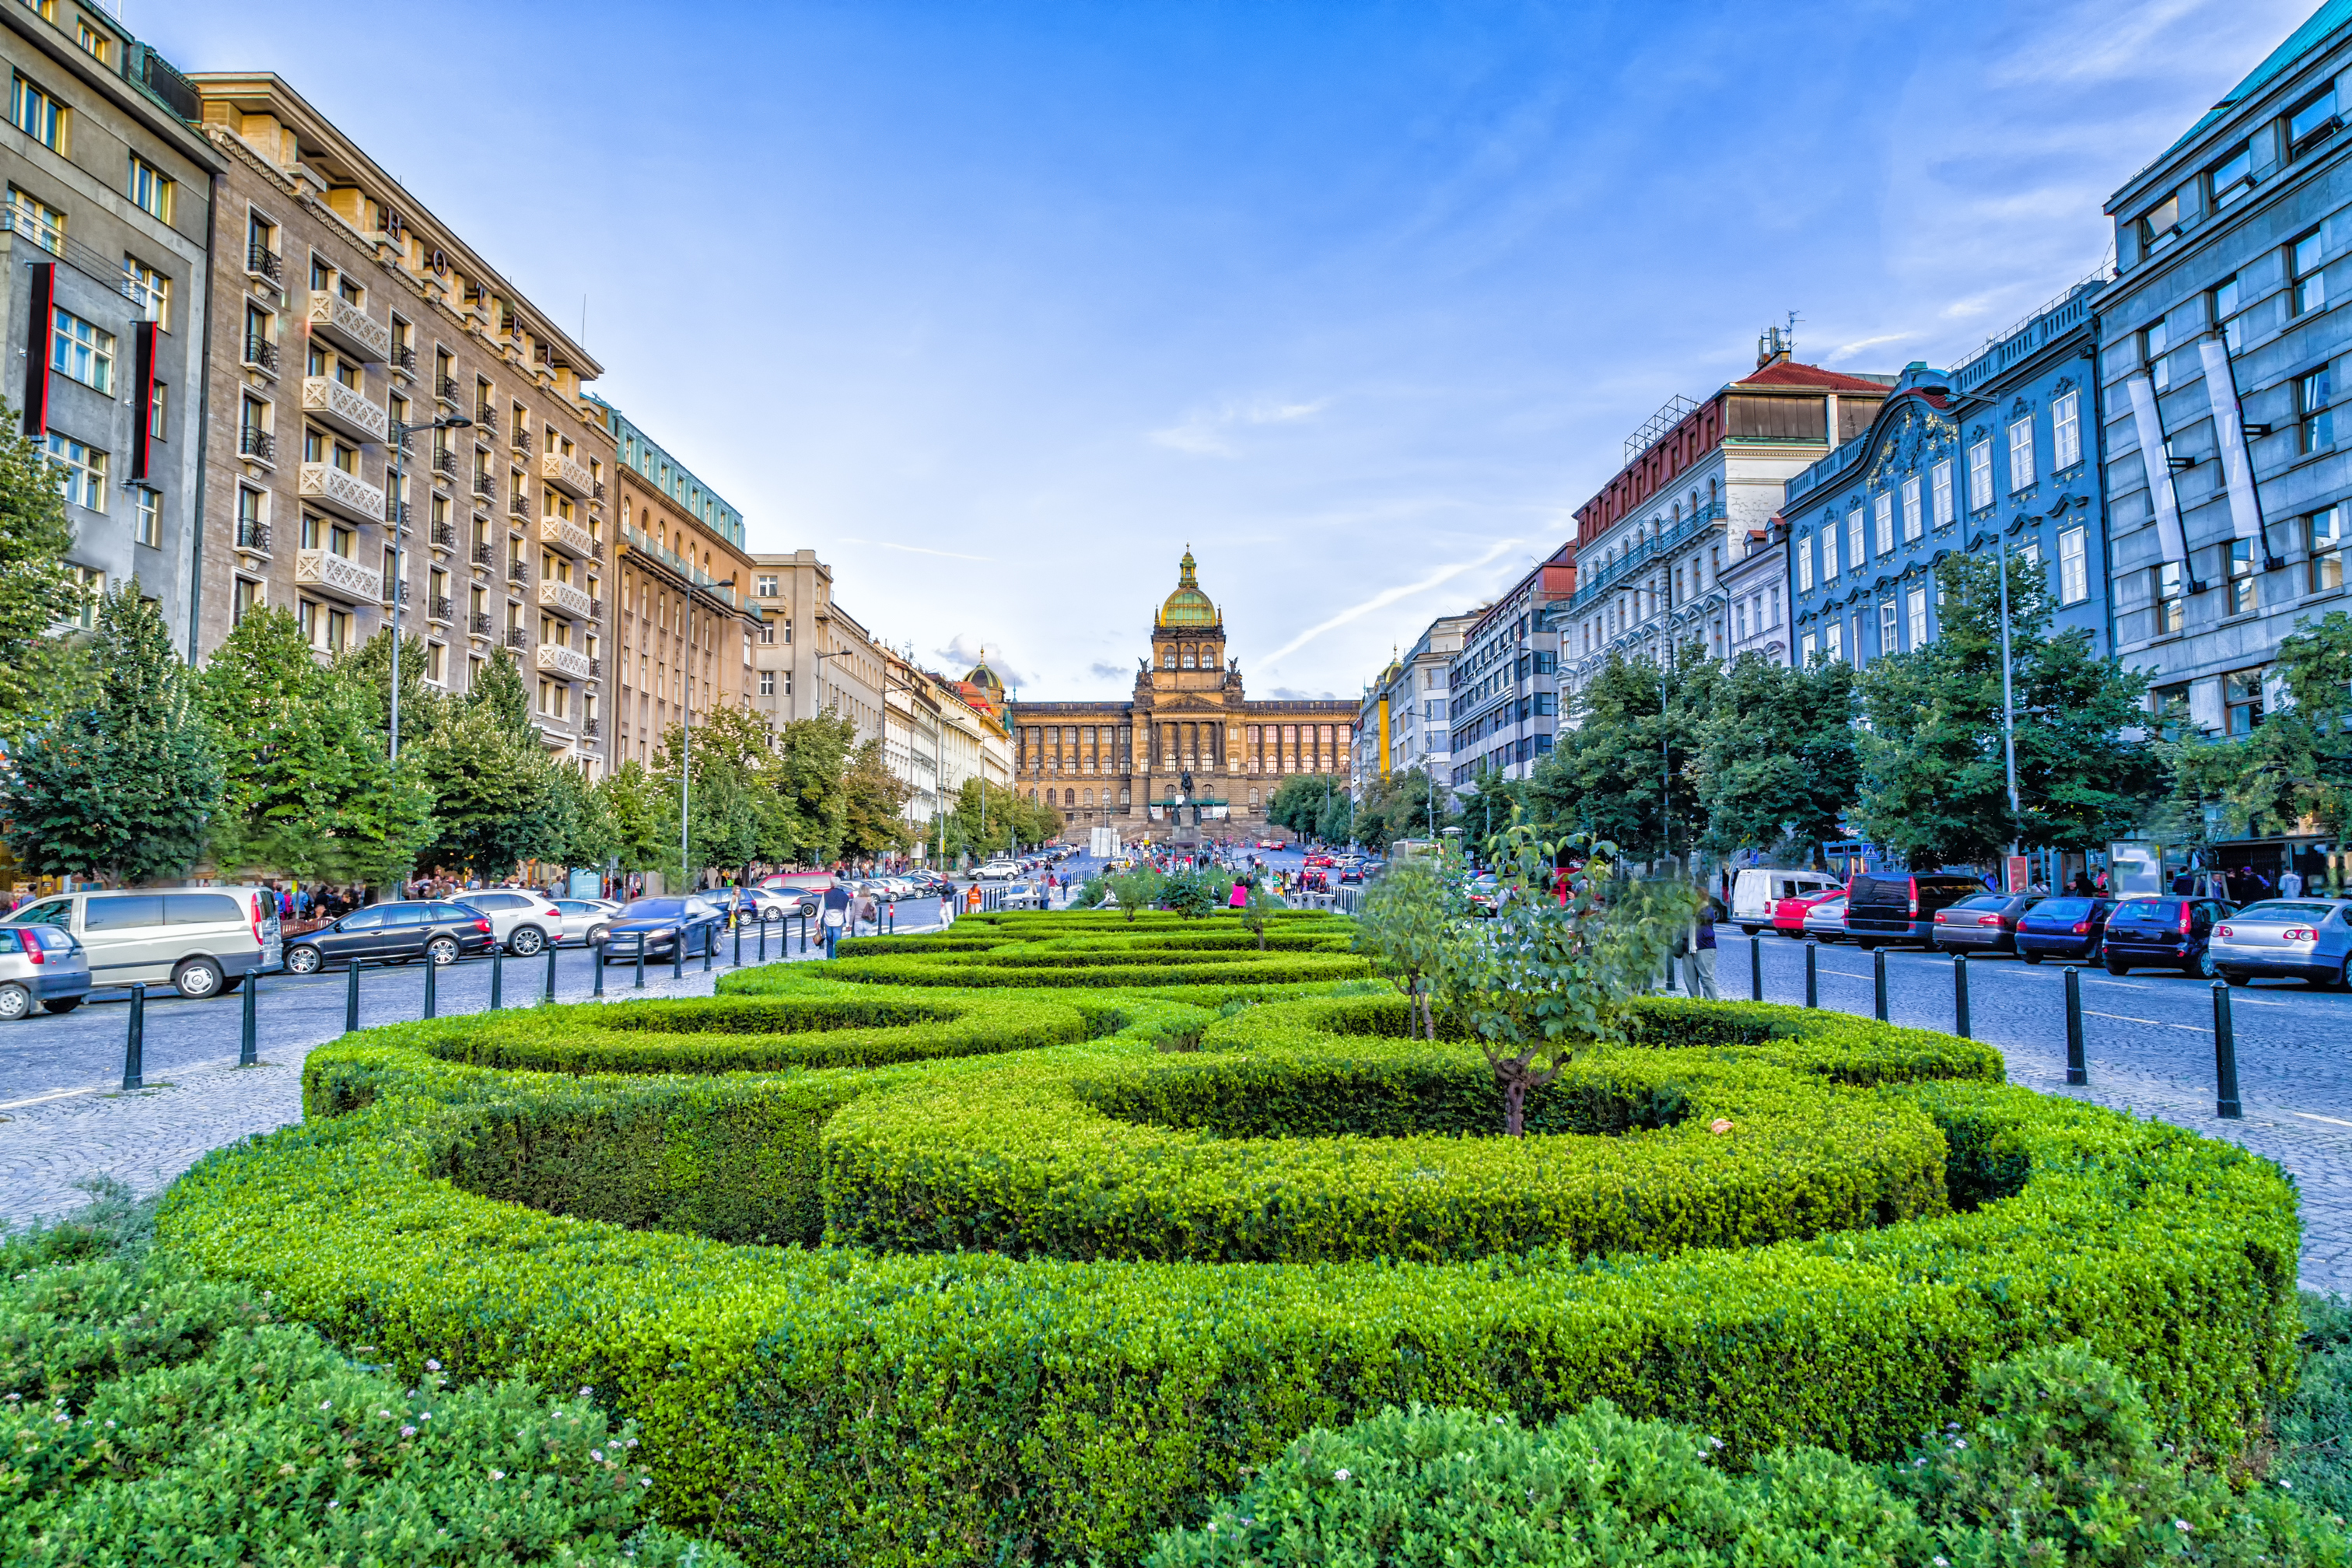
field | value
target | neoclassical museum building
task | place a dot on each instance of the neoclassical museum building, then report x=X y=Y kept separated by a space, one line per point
x=1187 y=756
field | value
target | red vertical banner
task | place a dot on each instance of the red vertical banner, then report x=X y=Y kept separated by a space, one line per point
x=143 y=389
x=37 y=349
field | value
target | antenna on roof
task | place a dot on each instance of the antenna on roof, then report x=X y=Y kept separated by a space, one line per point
x=1777 y=343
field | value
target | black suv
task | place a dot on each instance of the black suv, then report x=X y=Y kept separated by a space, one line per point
x=1901 y=906
x=393 y=934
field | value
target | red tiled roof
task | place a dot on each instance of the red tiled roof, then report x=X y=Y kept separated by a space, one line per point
x=1789 y=372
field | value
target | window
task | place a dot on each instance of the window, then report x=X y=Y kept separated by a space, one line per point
x=82 y=350
x=2160 y=225
x=2311 y=392
x=2066 y=432
x=2312 y=123
x=38 y=221
x=37 y=115
x=1805 y=564
x=2020 y=455
x=147 y=517
x=150 y=189
x=2073 y=565
x=92 y=583
x=158 y=411
x=767 y=683
x=1887 y=634
x=2154 y=344
x=2245 y=586
x=252 y=525
x=2171 y=605
x=1915 y=605
x=437 y=663
x=149 y=290
x=2242 y=701
x=766 y=587
x=83 y=471
x=2325 y=533
x=2307 y=280
x=1854 y=555
x=2231 y=178
x=2168 y=705
x=1811 y=650
x=245 y=599
x=1980 y=476
x=1885 y=511
x=767 y=632
x=1833 y=640
x=1939 y=483
x=1914 y=524
x=2223 y=301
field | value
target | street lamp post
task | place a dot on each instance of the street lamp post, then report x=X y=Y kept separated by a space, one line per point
x=686 y=745
x=2008 y=704
x=400 y=548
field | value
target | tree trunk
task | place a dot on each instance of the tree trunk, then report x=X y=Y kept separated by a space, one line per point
x=1514 y=1106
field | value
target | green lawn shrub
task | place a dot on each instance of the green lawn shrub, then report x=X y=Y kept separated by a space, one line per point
x=2314 y=1431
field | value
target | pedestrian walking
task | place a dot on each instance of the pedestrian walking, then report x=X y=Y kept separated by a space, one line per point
x=947 y=905
x=1699 y=963
x=2291 y=883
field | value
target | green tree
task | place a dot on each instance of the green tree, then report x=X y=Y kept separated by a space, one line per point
x=1933 y=788
x=1408 y=804
x=1411 y=920
x=1625 y=774
x=874 y=804
x=813 y=758
x=1489 y=807
x=497 y=801
x=1299 y=802
x=631 y=822
x=123 y=785
x=1137 y=889
x=2297 y=765
x=1258 y=911
x=38 y=589
x=1776 y=756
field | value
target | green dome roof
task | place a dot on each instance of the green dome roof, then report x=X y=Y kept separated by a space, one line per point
x=1188 y=606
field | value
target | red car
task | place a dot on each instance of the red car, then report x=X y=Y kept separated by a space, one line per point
x=1789 y=914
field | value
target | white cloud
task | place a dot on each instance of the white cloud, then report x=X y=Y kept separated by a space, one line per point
x=1847 y=351
x=963 y=651
x=1208 y=433
x=1388 y=597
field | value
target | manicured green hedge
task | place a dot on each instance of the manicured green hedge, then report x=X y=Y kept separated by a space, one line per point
x=842 y=1404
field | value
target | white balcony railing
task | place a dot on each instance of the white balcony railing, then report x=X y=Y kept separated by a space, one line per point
x=349 y=328
x=563 y=598
x=329 y=487
x=569 y=537
x=566 y=474
x=332 y=402
x=556 y=659
x=339 y=576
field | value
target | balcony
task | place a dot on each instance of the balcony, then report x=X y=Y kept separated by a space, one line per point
x=486 y=486
x=253 y=535
x=404 y=358
x=522 y=442
x=329 y=487
x=258 y=445
x=518 y=507
x=445 y=388
x=438 y=608
x=348 y=327
x=563 y=599
x=445 y=463
x=338 y=577
x=395 y=512
x=566 y=474
x=517 y=639
x=486 y=420
x=568 y=664
x=263 y=262
x=596 y=491
x=518 y=570
x=478 y=623
x=445 y=534
x=595 y=668
x=340 y=408
x=590 y=728
x=261 y=354
x=569 y=537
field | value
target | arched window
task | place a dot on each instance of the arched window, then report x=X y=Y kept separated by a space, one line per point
x=1188 y=656
x=1087 y=796
x=1123 y=796
x=1070 y=797
x=1168 y=656
x=1033 y=795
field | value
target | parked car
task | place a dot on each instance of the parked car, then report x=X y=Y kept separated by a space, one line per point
x=1788 y=913
x=1901 y=906
x=524 y=921
x=660 y=925
x=2072 y=925
x=1982 y=922
x=1757 y=894
x=1825 y=917
x=1486 y=893
x=40 y=964
x=998 y=871
x=2300 y=939
x=2176 y=933
x=203 y=941
x=584 y=920
x=437 y=929
x=806 y=890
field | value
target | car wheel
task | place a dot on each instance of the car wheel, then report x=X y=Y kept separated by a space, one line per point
x=16 y=1003
x=770 y=915
x=303 y=960
x=2202 y=964
x=2030 y=957
x=2117 y=966
x=597 y=935
x=197 y=979
x=62 y=1004
x=442 y=951
x=2339 y=980
x=526 y=940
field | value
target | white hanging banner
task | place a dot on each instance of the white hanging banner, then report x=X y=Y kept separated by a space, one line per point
x=2169 y=537
x=2229 y=438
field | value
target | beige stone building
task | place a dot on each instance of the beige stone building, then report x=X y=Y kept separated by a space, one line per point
x=684 y=622
x=808 y=653
x=348 y=320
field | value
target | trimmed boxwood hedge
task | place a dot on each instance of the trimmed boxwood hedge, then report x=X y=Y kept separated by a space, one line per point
x=839 y=1403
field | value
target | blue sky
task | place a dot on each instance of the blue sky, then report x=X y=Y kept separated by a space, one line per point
x=998 y=306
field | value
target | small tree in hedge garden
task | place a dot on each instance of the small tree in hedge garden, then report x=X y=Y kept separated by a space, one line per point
x=1192 y=893
x=1136 y=890
x=1409 y=921
x=1556 y=970
x=1259 y=908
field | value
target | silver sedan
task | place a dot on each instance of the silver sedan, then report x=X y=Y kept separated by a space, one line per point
x=2297 y=939
x=585 y=920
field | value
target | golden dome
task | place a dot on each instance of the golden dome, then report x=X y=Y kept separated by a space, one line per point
x=1188 y=606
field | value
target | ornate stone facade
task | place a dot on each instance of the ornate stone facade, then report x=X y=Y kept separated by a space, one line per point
x=1187 y=756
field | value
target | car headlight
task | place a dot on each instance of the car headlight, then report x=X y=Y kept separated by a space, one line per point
x=665 y=934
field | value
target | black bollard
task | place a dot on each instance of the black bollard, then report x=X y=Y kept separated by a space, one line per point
x=1878 y=984
x=709 y=941
x=134 y=1046
x=1812 y=974
x=351 y=999
x=804 y=920
x=596 y=963
x=248 y=1040
x=2225 y=1055
x=763 y=942
x=2077 y=1071
x=1960 y=995
x=1756 y=969
x=432 y=985
x=498 y=976
x=678 y=954
x=551 y=971
x=641 y=961
x=738 y=944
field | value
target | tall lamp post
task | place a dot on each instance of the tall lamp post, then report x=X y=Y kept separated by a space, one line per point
x=399 y=520
x=685 y=743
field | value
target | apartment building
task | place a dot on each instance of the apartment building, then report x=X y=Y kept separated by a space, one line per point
x=1404 y=724
x=1503 y=690
x=913 y=745
x=809 y=654
x=398 y=434
x=104 y=288
x=685 y=619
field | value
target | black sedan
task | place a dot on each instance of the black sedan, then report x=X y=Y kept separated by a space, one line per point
x=393 y=934
x=658 y=925
x=1982 y=922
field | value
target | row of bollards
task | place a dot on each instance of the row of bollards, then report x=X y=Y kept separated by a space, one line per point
x=2227 y=1104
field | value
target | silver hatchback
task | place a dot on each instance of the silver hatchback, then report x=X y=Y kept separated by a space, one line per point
x=43 y=965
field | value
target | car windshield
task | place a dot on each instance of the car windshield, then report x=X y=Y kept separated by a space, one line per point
x=2148 y=908
x=2283 y=909
x=654 y=909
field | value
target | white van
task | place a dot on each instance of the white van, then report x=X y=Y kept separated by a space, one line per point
x=200 y=940
x=1754 y=892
